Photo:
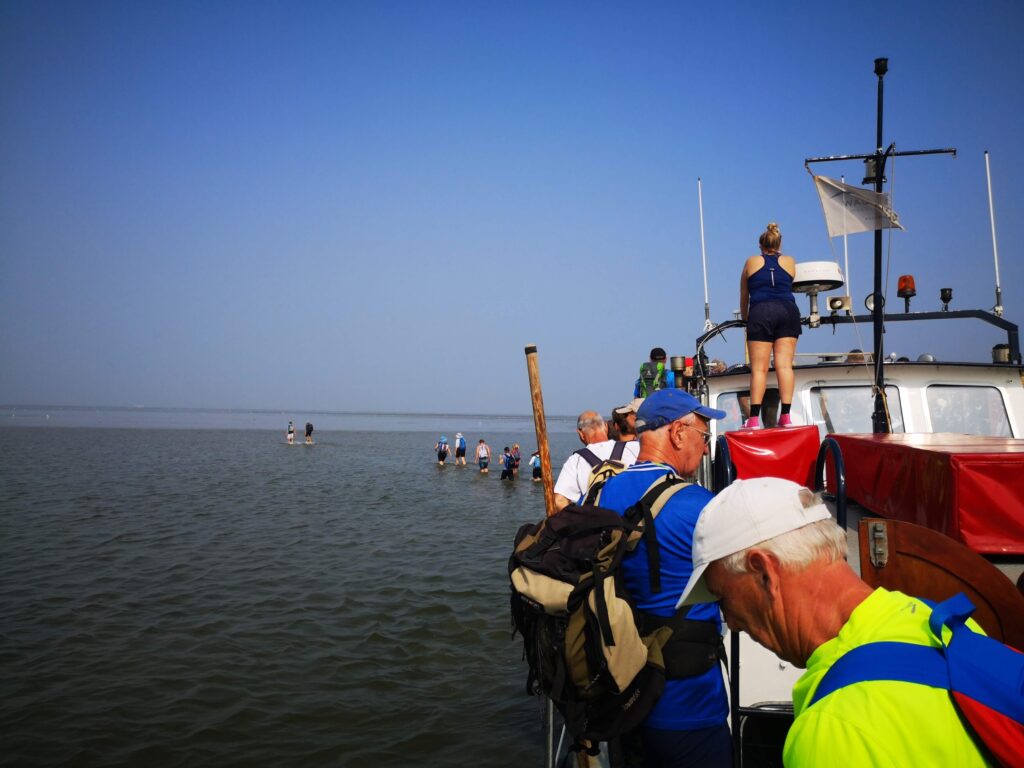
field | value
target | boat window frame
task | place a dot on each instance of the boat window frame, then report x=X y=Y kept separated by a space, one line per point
x=771 y=400
x=948 y=428
x=827 y=427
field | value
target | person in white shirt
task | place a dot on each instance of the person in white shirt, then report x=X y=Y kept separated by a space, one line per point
x=574 y=477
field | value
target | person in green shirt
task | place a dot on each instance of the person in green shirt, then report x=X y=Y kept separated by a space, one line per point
x=769 y=551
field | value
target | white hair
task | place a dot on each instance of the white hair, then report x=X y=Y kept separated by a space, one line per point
x=796 y=549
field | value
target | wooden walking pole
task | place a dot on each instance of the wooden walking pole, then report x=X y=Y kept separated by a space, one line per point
x=541 y=427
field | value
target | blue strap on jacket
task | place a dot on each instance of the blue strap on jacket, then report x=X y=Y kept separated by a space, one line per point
x=970 y=665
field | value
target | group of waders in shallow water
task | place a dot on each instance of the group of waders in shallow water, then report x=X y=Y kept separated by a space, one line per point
x=510 y=457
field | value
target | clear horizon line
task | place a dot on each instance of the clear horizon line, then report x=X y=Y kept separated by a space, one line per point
x=206 y=409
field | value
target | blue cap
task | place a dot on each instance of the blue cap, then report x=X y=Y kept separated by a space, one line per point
x=444 y=439
x=666 y=405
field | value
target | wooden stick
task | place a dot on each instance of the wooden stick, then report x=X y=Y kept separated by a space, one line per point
x=541 y=428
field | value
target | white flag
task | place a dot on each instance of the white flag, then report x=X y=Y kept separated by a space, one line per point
x=852 y=209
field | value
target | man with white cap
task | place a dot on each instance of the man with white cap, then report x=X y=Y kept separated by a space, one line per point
x=769 y=551
x=688 y=724
x=624 y=418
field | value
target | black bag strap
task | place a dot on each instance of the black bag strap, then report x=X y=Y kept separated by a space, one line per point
x=646 y=510
x=593 y=459
x=588 y=456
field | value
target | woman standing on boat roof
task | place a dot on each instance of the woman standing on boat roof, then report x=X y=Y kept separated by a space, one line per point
x=773 y=322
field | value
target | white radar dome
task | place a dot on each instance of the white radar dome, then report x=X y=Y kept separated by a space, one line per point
x=817 y=276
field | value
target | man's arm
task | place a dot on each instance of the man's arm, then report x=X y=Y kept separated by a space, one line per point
x=567 y=489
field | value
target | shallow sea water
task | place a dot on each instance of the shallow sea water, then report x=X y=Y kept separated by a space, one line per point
x=216 y=597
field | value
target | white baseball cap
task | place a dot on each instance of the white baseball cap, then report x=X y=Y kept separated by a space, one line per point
x=746 y=513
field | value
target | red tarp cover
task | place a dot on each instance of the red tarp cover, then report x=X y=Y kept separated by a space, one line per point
x=968 y=487
x=788 y=452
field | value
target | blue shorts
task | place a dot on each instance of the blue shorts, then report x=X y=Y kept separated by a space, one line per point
x=699 y=748
x=771 y=320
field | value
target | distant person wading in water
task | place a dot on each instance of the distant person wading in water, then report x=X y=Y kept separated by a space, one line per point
x=773 y=322
x=535 y=463
x=290 y=434
x=309 y=432
x=508 y=464
x=441 y=446
x=460 y=449
x=483 y=456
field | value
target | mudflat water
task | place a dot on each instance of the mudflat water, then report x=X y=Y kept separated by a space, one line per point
x=194 y=596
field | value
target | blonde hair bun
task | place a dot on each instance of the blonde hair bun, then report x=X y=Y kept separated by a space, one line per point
x=771 y=238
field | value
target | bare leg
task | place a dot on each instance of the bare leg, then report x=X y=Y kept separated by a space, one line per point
x=785 y=348
x=760 y=354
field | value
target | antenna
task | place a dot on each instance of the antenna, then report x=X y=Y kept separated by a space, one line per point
x=874 y=167
x=708 y=325
x=998 y=308
x=846 y=252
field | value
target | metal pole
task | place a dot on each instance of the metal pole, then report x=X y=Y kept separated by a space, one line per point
x=846 y=253
x=998 y=309
x=879 y=420
x=703 y=257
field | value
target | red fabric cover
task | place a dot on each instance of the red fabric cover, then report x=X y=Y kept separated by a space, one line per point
x=1002 y=736
x=967 y=487
x=787 y=452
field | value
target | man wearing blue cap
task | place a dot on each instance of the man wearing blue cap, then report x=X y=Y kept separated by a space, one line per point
x=687 y=726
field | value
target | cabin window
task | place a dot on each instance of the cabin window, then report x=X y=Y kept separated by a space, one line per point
x=737 y=409
x=849 y=409
x=968 y=410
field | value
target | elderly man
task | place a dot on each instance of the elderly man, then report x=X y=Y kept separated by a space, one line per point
x=687 y=726
x=574 y=477
x=769 y=551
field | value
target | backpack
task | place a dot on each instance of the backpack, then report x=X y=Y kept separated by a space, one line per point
x=652 y=378
x=984 y=677
x=600 y=470
x=601 y=661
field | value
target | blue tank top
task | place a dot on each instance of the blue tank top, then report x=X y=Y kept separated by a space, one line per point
x=770 y=283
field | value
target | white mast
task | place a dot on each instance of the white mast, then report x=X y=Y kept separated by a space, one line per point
x=998 y=309
x=846 y=254
x=708 y=325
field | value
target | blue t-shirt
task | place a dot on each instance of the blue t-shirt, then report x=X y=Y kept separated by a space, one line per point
x=460 y=442
x=693 y=702
x=771 y=282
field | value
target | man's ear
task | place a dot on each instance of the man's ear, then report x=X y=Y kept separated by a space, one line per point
x=765 y=569
x=676 y=435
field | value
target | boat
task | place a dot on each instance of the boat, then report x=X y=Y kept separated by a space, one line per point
x=922 y=460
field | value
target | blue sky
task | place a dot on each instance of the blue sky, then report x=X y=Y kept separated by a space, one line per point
x=341 y=206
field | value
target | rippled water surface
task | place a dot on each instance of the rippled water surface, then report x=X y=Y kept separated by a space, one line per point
x=205 y=597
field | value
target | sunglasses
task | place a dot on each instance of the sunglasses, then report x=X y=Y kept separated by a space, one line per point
x=701 y=432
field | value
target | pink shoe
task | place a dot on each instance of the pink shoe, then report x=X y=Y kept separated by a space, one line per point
x=785 y=420
x=754 y=422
